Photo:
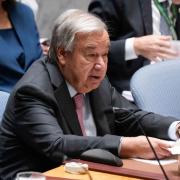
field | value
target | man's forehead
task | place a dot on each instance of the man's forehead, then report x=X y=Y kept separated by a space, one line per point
x=94 y=46
x=91 y=35
x=92 y=40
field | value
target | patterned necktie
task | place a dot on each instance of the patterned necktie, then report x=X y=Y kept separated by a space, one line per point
x=164 y=27
x=79 y=103
x=178 y=24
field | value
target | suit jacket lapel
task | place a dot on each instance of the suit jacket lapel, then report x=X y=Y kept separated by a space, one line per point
x=98 y=106
x=133 y=13
x=146 y=10
x=21 y=28
x=16 y=21
x=178 y=22
x=66 y=105
x=64 y=101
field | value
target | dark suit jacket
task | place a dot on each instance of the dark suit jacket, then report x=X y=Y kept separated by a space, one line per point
x=125 y=19
x=24 y=27
x=40 y=124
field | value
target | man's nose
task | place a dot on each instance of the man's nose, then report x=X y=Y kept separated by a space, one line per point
x=100 y=63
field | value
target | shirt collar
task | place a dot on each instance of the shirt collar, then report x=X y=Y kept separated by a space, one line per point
x=71 y=89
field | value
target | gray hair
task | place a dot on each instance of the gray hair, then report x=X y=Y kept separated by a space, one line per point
x=68 y=24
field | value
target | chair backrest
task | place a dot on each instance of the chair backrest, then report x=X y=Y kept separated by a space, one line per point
x=156 y=88
x=3 y=100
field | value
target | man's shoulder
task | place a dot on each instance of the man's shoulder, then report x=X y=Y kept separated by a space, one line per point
x=36 y=77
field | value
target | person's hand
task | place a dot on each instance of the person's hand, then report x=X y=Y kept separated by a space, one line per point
x=176 y=1
x=138 y=147
x=154 y=47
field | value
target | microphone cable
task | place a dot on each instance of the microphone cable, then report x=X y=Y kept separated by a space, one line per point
x=118 y=111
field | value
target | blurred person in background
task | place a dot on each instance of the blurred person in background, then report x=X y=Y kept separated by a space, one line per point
x=140 y=34
x=19 y=42
x=35 y=7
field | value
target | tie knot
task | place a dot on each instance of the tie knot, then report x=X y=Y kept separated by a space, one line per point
x=78 y=100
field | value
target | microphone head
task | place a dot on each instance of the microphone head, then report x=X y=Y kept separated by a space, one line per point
x=109 y=110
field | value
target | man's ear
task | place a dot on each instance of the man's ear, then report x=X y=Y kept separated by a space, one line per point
x=61 y=55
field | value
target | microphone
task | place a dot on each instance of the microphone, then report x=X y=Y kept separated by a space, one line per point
x=123 y=113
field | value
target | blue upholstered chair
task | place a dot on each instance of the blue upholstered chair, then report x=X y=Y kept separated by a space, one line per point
x=3 y=100
x=156 y=88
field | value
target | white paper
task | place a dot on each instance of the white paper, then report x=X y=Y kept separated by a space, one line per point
x=155 y=162
x=175 y=149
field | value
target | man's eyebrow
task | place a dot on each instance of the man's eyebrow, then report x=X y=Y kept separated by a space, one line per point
x=89 y=47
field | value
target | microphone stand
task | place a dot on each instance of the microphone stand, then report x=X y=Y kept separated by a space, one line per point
x=118 y=111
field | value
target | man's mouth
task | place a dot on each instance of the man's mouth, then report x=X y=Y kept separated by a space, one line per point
x=95 y=77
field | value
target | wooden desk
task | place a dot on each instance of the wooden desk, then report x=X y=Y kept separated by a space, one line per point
x=131 y=170
x=59 y=172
